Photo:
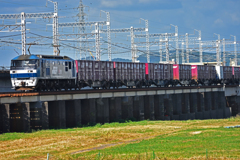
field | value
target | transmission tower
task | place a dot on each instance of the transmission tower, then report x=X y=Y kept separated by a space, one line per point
x=55 y=28
x=176 y=40
x=108 y=36
x=130 y=30
x=235 y=49
x=23 y=17
x=218 y=46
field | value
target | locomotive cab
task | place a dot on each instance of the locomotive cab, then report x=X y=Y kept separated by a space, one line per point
x=24 y=72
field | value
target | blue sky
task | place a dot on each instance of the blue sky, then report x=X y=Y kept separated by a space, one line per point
x=209 y=16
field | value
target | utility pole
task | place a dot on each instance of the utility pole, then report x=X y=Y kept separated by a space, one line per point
x=130 y=30
x=200 y=45
x=97 y=39
x=183 y=60
x=235 y=49
x=23 y=17
x=187 y=50
x=108 y=36
x=176 y=40
x=218 y=56
x=224 y=56
x=55 y=28
x=147 y=39
x=81 y=29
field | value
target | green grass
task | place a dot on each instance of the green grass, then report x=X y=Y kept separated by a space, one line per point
x=218 y=142
x=158 y=140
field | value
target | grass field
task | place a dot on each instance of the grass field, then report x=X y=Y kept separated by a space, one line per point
x=193 y=139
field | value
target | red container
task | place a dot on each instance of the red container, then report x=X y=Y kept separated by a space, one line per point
x=195 y=70
x=176 y=72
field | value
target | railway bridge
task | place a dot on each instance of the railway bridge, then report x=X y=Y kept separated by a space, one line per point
x=26 y=111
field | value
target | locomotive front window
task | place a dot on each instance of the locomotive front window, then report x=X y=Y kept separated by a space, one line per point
x=26 y=63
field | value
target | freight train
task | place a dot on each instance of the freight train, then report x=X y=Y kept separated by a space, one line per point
x=46 y=72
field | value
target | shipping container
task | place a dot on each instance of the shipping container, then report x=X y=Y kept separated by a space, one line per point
x=227 y=72
x=141 y=71
x=176 y=71
x=213 y=73
x=110 y=72
x=236 y=72
x=136 y=71
x=158 y=71
x=168 y=71
x=96 y=70
x=200 y=72
x=81 y=70
x=151 y=71
x=118 y=70
x=130 y=71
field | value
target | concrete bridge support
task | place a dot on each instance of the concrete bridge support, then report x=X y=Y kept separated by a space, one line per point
x=149 y=107
x=127 y=108
x=73 y=113
x=20 y=117
x=88 y=110
x=102 y=109
x=39 y=115
x=159 y=107
x=57 y=114
x=4 y=118
x=138 y=107
x=115 y=109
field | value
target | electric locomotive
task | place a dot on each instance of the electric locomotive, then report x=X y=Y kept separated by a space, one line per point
x=42 y=72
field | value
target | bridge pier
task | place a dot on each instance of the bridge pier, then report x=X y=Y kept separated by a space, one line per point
x=138 y=108
x=159 y=107
x=4 y=118
x=75 y=110
x=168 y=107
x=115 y=109
x=20 y=117
x=57 y=114
x=177 y=106
x=88 y=111
x=73 y=113
x=102 y=105
x=200 y=106
x=149 y=107
x=127 y=108
x=39 y=115
x=193 y=100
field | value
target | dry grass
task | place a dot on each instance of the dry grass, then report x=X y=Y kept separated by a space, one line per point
x=60 y=143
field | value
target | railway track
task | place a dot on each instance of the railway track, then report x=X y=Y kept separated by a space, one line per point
x=30 y=93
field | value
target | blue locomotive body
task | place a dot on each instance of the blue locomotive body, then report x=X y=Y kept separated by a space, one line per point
x=42 y=72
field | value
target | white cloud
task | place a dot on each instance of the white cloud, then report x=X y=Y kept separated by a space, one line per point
x=218 y=21
x=147 y=1
x=115 y=3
